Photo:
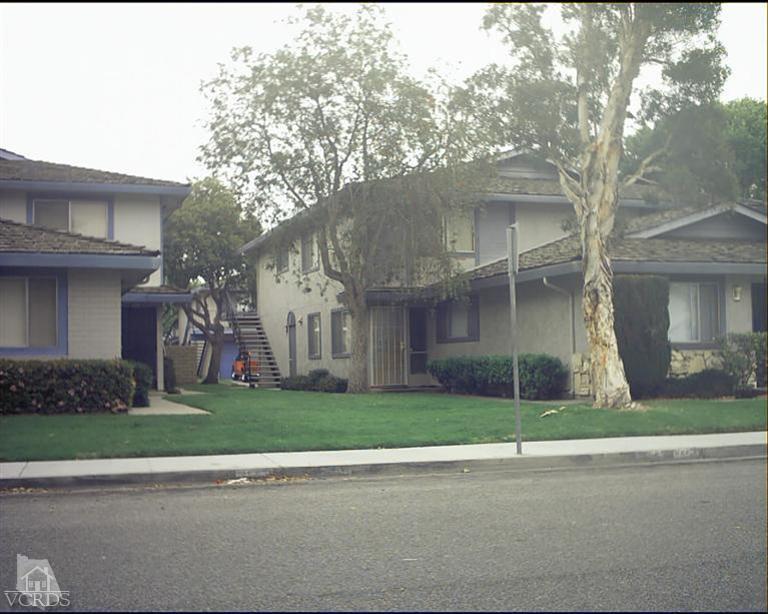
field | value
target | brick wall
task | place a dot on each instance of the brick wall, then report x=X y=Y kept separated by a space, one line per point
x=93 y=313
x=184 y=359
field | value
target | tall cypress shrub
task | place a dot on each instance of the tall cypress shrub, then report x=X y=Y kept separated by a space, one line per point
x=641 y=322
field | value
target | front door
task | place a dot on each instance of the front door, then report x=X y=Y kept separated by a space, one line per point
x=139 y=336
x=291 y=344
x=417 y=354
x=388 y=349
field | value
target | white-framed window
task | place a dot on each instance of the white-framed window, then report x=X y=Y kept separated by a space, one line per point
x=458 y=320
x=341 y=333
x=85 y=217
x=309 y=260
x=28 y=312
x=694 y=312
x=459 y=232
x=313 y=336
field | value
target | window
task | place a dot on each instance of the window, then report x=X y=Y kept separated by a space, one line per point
x=283 y=259
x=459 y=232
x=340 y=333
x=313 y=332
x=694 y=312
x=308 y=253
x=458 y=321
x=28 y=312
x=86 y=217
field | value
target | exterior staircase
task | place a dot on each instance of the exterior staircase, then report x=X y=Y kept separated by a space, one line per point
x=250 y=336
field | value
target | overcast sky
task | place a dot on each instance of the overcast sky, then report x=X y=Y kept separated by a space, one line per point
x=116 y=87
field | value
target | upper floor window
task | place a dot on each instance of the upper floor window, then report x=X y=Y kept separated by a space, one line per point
x=86 y=217
x=694 y=312
x=459 y=232
x=309 y=260
x=28 y=311
x=282 y=259
x=458 y=321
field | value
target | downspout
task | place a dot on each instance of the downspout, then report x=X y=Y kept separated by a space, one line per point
x=571 y=319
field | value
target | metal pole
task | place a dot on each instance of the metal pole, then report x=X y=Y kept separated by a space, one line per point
x=512 y=267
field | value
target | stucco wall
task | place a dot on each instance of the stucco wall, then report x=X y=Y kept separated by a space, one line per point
x=276 y=297
x=93 y=314
x=138 y=221
x=738 y=314
x=538 y=224
x=543 y=317
x=13 y=205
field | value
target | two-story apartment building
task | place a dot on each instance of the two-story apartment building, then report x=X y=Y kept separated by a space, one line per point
x=715 y=259
x=81 y=270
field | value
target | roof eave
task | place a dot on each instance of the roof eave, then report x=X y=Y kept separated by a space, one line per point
x=180 y=191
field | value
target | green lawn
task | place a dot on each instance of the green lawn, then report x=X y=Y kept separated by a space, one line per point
x=244 y=420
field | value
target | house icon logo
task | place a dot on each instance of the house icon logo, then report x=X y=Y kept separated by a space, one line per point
x=36 y=585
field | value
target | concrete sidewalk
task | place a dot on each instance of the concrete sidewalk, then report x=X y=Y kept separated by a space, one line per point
x=536 y=455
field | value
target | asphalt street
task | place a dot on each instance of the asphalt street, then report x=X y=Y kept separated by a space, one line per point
x=658 y=537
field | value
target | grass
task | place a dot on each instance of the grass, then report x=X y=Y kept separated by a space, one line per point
x=243 y=420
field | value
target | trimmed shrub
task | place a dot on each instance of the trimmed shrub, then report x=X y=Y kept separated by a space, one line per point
x=315 y=375
x=297 y=382
x=65 y=386
x=706 y=384
x=169 y=375
x=541 y=376
x=641 y=323
x=318 y=380
x=142 y=375
x=743 y=357
x=331 y=383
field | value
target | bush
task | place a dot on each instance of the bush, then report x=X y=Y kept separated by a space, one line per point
x=316 y=375
x=331 y=383
x=65 y=386
x=319 y=380
x=641 y=323
x=297 y=382
x=706 y=384
x=169 y=375
x=142 y=375
x=743 y=357
x=541 y=376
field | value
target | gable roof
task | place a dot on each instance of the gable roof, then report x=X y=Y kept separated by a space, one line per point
x=18 y=172
x=568 y=249
x=656 y=224
x=24 y=238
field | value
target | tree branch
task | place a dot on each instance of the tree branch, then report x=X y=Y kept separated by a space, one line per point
x=646 y=165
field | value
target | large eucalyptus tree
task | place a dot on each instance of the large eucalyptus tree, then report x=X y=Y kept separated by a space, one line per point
x=568 y=96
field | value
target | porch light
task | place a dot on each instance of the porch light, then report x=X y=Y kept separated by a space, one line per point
x=736 y=293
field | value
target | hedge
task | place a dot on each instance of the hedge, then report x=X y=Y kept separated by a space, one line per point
x=743 y=357
x=65 y=386
x=641 y=323
x=318 y=380
x=706 y=384
x=541 y=376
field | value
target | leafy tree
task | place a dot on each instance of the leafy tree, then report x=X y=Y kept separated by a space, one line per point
x=567 y=97
x=332 y=127
x=202 y=241
x=747 y=119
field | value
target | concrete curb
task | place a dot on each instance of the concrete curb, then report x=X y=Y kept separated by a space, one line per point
x=513 y=464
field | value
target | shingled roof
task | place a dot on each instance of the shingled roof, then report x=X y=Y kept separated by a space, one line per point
x=567 y=249
x=37 y=170
x=24 y=238
x=551 y=187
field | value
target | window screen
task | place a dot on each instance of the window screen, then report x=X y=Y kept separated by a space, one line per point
x=42 y=312
x=340 y=333
x=313 y=332
x=89 y=218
